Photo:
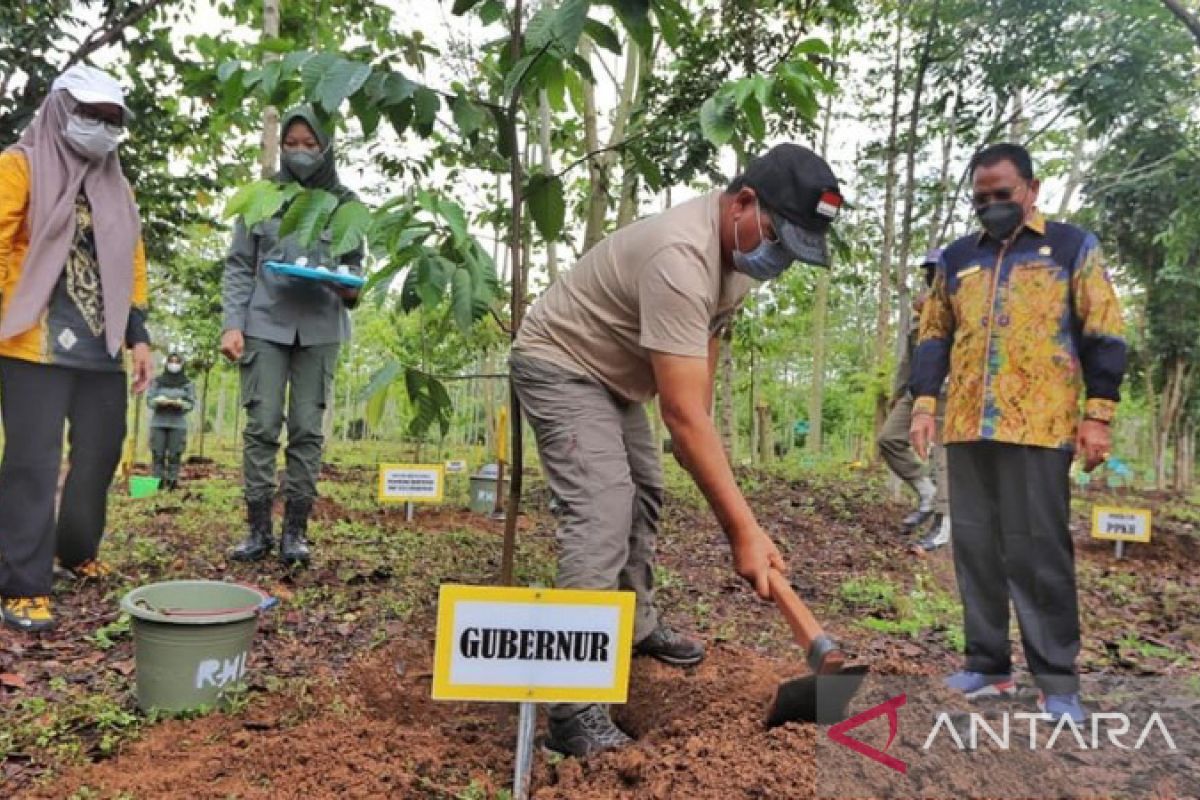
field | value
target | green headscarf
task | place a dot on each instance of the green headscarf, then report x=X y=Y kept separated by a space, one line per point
x=326 y=176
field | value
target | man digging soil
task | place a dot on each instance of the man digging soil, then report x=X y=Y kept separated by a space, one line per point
x=639 y=316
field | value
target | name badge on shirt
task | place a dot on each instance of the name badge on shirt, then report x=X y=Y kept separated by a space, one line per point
x=969 y=271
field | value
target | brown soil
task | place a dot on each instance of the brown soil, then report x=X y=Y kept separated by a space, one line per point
x=362 y=725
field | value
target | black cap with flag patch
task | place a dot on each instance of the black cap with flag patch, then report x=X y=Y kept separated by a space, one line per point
x=799 y=190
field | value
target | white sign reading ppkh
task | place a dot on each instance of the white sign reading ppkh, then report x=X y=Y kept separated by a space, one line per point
x=1121 y=524
x=533 y=645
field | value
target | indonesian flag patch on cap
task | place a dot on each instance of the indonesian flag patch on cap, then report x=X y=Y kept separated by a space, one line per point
x=829 y=204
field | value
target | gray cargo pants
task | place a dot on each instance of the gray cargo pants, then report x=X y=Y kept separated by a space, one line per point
x=271 y=373
x=598 y=455
x=167 y=446
x=898 y=452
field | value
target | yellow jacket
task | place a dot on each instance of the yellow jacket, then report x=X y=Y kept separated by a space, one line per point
x=33 y=344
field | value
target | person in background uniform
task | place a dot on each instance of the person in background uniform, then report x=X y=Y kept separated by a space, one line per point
x=285 y=334
x=73 y=287
x=171 y=397
x=897 y=451
x=638 y=316
x=1023 y=318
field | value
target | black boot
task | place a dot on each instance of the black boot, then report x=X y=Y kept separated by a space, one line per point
x=259 y=540
x=293 y=549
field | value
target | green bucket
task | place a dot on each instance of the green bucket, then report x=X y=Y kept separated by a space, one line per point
x=191 y=640
x=142 y=486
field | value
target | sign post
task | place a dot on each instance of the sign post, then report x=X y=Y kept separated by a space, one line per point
x=410 y=484
x=529 y=646
x=1121 y=525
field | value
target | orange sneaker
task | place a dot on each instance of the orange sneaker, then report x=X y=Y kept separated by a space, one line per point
x=93 y=569
x=27 y=613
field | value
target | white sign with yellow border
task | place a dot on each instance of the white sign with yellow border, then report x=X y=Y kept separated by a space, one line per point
x=1121 y=524
x=456 y=467
x=521 y=645
x=412 y=483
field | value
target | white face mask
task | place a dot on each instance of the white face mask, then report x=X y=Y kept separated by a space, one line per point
x=174 y=367
x=90 y=138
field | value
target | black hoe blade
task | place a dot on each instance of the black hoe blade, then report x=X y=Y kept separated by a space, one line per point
x=821 y=699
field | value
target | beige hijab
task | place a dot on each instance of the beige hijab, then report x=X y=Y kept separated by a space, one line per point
x=57 y=173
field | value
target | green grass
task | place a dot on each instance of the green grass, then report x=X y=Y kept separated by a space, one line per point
x=924 y=609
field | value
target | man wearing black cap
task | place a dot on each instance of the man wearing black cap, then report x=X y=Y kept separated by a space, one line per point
x=638 y=316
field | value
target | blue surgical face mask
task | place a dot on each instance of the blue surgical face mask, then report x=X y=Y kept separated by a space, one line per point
x=764 y=262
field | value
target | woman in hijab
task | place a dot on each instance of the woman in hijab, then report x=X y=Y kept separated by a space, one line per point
x=171 y=397
x=73 y=286
x=286 y=332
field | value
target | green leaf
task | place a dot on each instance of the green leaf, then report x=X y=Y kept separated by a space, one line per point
x=368 y=113
x=492 y=11
x=544 y=197
x=811 y=46
x=271 y=73
x=342 y=79
x=397 y=89
x=456 y=219
x=603 y=35
x=557 y=28
x=671 y=16
x=256 y=201
x=307 y=216
x=376 y=403
x=504 y=137
x=635 y=16
x=718 y=119
x=555 y=85
x=228 y=69
x=462 y=299
x=425 y=283
x=463 y=6
x=430 y=402
x=468 y=116
x=752 y=114
x=295 y=61
x=426 y=106
x=400 y=116
x=349 y=227
x=314 y=71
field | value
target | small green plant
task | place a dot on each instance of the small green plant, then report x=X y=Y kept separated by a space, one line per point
x=106 y=636
x=875 y=592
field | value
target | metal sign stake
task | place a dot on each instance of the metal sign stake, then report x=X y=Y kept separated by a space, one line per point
x=523 y=772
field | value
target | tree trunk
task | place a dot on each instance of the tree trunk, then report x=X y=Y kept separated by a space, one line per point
x=816 y=391
x=600 y=165
x=903 y=273
x=945 y=185
x=883 y=314
x=1191 y=20
x=203 y=413
x=763 y=414
x=627 y=211
x=1170 y=410
x=270 y=135
x=517 y=310
x=728 y=412
x=548 y=168
x=1075 y=176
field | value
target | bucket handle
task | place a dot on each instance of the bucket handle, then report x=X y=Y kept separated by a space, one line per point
x=268 y=602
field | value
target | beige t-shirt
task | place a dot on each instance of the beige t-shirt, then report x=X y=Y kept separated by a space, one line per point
x=654 y=285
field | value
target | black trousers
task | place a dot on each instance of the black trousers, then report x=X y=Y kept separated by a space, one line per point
x=36 y=400
x=1010 y=510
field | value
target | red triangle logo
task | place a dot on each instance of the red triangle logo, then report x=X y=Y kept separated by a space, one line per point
x=887 y=708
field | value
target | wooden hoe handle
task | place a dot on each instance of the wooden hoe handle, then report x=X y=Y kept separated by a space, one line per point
x=804 y=625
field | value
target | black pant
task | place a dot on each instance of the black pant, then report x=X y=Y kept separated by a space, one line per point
x=36 y=400
x=1010 y=509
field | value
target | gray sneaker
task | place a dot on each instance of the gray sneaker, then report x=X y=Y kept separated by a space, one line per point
x=588 y=732
x=938 y=536
x=670 y=647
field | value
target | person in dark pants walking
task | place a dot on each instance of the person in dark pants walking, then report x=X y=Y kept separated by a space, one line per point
x=171 y=397
x=285 y=334
x=73 y=283
x=1023 y=317
x=897 y=450
x=639 y=315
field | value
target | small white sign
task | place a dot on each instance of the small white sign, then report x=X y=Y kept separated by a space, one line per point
x=455 y=467
x=1121 y=524
x=532 y=645
x=411 y=483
